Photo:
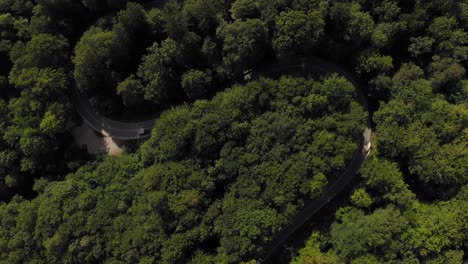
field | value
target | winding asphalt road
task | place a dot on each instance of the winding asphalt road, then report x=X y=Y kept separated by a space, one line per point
x=317 y=66
x=106 y=126
x=136 y=130
x=133 y=130
x=126 y=131
x=315 y=205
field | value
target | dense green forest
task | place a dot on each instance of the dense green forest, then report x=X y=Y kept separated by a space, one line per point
x=224 y=173
x=231 y=161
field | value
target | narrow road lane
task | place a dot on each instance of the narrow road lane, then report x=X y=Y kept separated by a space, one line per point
x=136 y=130
x=320 y=67
x=109 y=127
x=127 y=131
x=315 y=205
x=106 y=126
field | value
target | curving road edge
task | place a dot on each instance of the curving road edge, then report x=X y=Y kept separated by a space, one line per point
x=108 y=127
x=319 y=66
x=133 y=130
x=315 y=205
x=137 y=130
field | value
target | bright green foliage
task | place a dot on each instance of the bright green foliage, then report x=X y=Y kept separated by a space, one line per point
x=266 y=10
x=42 y=51
x=338 y=90
x=413 y=125
x=354 y=234
x=388 y=23
x=32 y=144
x=219 y=178
x=233 y=169
x=51 y=124
x=32 y=120
x=318 y=184
x=245 y=9
x=312 y=254
x=384 y=33
x=265 y=157
x=451 y=256
x=361 y=198
x=435 y=228
x=450 y=38
x=366 y=259
x=384 y=178
x=371 y=63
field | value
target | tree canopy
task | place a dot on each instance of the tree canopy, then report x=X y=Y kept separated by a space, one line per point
x=233 y=157
x=232 y=170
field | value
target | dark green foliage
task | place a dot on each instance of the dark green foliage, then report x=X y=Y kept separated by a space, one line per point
x=232 y=169
x=224 y=171
x=245 y=9
x=297 y=30
x=8 y=32
x=103 y=57
x=130 y=89
x=355 y=25
x=36 y=111
x=42 y=51
x=96 y=5
x=312 y=252
x=244 y=43
x=196 y=83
